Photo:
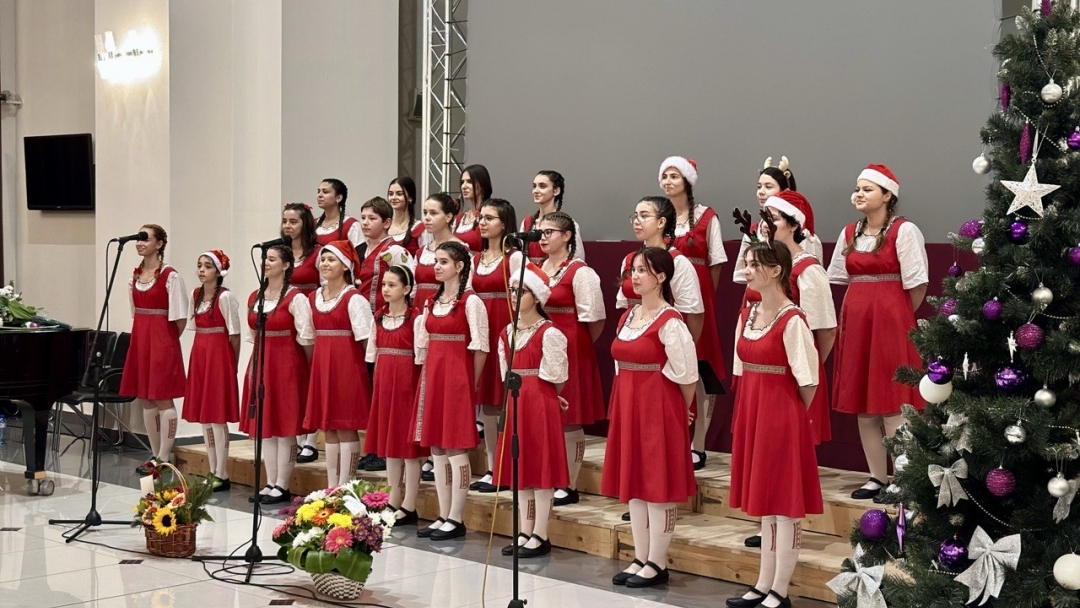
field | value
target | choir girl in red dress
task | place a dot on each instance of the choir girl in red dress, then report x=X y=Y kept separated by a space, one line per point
x=379 y=252
x=333 y=224
x=154 y=366
x=290 y=337
x=811 y=292
x=774 y=472
x=576 y=307
x=397 y=375
x=647 y=461
x=548 y=189
x=211 y=398
x=541 y=360
x=405 y=228
x=697 y=236
x=475 y=190
x=492 y=270
x=339 y=393
x=452 y=344
x=882 y=260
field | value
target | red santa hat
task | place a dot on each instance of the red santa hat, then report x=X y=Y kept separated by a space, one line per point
x=797 y=202
x=536 y=281
x=220 y=260
x=345 y=252
x=686 y=166
x=882 y=176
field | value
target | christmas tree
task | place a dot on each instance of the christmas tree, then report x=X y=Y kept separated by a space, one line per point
x=989 y=471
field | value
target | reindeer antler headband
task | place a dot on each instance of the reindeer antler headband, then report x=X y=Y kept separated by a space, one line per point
x=742 y=218
x=782 y=167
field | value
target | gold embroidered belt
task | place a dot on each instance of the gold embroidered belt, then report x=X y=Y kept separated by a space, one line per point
x=209 y=330
x=779 y=370
x=447 y=337
x=152 y=311
x=638 y=367
x=399 y=352
x=334 y=333
x=874 y=278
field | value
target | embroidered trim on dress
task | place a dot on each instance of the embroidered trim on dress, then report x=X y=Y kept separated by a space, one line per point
x=334 y=333
x=152 y=311
x=209 y=330
x=283 y=333
x=447 y=337
x=874 y=278
x=400 y=352
x=779 y=370
x=638 y=367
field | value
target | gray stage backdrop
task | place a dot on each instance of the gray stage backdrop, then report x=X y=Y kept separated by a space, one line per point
x=603 y=90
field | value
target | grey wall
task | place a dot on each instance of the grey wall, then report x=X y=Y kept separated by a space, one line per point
x=603 y=90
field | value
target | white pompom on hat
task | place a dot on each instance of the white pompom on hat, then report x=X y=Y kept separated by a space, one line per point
x=686 y=166
x=220 y=260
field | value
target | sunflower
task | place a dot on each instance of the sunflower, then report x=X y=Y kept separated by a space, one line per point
x=164 y=521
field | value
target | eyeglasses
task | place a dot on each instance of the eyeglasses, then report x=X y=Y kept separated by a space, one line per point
x=488 y=218
x=640 y=218
x=550 y=231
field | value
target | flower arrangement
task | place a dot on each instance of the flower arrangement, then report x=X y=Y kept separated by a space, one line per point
x=337 y=529
x=12 y=309
x=173 y=502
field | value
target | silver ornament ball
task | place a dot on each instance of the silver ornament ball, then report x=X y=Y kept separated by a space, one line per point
x=981 y=164
x=1058 y=486
x=978 y=246
x=1015 y=434
x=900 y=462
x=1051 y=93
x=1042 y=296
x=954 y=319
x=1045 y=397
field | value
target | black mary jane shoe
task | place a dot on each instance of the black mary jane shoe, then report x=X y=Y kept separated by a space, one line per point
x=866 y=493
x=308 y=453
x=785 y=602
x=754 y=542
x=621 y=578
x=270 y=499
x=626 y=516
x=456 y=532
x=700 y=464
x=479 y=485
x=410 y=518
x=572 y=497
x=427 y=530
x=257 y=497
x=637 y=581
x=543 y=549
x=740 y=602
x=222 y=485
x=375 y=464
x=508 y=550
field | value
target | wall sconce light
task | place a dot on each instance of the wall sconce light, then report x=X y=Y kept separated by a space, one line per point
x=136 y=60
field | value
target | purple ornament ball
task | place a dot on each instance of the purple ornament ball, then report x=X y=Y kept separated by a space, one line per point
x=955 y=271
x=1029 y=336
x=1074 y=139
x=971 y=229
x=874 y=524
x=1009 y=379
x=948 y=307
x=992 y=310
x=939 y=372
x=1018 y=232
x=953 y=554
x=1001 y=482
x=1074 y=255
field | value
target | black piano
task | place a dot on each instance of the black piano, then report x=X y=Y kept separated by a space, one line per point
x=38 y=366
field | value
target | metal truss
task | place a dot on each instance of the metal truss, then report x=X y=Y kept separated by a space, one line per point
x=444 y=117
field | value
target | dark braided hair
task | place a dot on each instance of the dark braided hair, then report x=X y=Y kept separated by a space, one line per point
x=308 y=236
x=506 y=214
x=159 y=234
x=566 y=223
x=690 y=205
x=771 y=253
x=201 y=292
x=658 y=261
x=285 y=253
x=557 y=183
x=340 y=189
x=458 y=253
x=403 y=273
x=879 y=239
x=665 y=211
x=409 y=186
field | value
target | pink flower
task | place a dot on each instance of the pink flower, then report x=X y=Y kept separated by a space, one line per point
x=281 y=529
x=376 y=500
x=337 y=539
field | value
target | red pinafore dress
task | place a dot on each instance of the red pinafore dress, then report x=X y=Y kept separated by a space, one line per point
x=285 y=373
x=369 y=277
x=211 y=396
x=492 y=289
x=648 y=445
x=470 y=236
x=339 y=390
x=535 y=252
x=305 y=276
x=583 y=392
x=542 y=464
x=773 y=464
x=394 y=392
x=424 y=275
x=444 y=415
x=154 y=366
x=337 y=235
x=695 y=246
x=872 y=337
x=413 y=246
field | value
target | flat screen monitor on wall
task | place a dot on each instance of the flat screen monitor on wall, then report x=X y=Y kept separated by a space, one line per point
x=59 y=172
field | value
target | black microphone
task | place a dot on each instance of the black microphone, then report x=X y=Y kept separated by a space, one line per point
x=272 y=242
x=529 y=236
x=142 y=236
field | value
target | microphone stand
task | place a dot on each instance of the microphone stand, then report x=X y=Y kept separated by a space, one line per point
x=93 y=373
x=512 y=387
x=254 y=554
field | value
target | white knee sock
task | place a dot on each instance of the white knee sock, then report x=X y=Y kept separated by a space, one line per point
x=767 y=570
x=575 y=453
x=152 y=419
x=311 y=439
x=270 y=448
x=211 y=452
x=788 y=546
x=461 y=476
x=350 y=457
x=221 y=447
x=286 y=462
x=168 y=433
x=395 y=467
x=661 y=528
x=410 y=482
x=491 y=438
x=442 y=483
x=527 y=513
x=871 y=437
x=333 y=463
x=542 y=513
x=639 y=527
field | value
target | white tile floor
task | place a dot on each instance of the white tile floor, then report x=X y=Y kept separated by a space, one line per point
x=37 y=568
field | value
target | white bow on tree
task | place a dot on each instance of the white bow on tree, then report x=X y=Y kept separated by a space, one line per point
x=986 y=576
x=1064 y=504
x=947 y=481
x=957 y=430
x=865 y=583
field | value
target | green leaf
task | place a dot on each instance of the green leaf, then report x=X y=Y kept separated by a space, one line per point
x=319 y=562
x=283 y=553
x=285 y=540
x=354 y=565
x=296 y=556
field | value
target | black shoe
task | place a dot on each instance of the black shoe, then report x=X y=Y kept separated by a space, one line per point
x=425 y=473
x=257 y=496
x=222 y=485
x=785 y=602
x=543 y=549
x=485 y=487
x=363 y=462
x=270 y=499
x=621 y=578
x=865 y=494
x=739 y=602
x=753 y=542
x=480 y=429
x=508 y=550
x=308 y=453
x=375 y=464
x=571 y=498
x=637 y=581
x=427 y=530
x=410 y=518
x=457 y=532
x=700 y=464
x=626 y=516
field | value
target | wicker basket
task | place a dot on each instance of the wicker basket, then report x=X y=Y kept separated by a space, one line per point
x=181 y=543
x=337 y=586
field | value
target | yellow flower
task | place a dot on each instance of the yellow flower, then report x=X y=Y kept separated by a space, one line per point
x=304 y=513
x=318 y=504
x=340 y=520
x=164 y=521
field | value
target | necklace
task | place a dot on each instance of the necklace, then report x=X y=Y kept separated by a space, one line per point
x=326 y=290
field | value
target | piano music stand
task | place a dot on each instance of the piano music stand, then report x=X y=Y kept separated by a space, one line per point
x=94 y=372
